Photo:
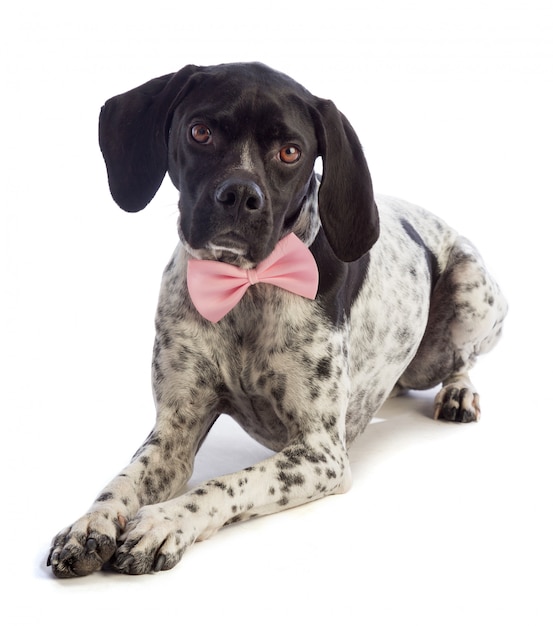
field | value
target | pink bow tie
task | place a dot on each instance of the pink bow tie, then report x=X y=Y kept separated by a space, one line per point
x=216 y=287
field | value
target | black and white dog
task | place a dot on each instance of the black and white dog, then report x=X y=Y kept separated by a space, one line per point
x=402 y=302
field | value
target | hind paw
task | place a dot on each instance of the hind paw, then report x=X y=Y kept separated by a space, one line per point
x=457 y=402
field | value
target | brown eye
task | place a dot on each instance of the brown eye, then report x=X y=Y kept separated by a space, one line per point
x=289 y=154
x=201 y=133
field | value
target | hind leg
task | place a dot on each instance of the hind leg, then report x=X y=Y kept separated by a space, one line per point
x=465 y=319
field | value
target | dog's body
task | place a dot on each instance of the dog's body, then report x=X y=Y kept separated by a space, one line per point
x=408 y=308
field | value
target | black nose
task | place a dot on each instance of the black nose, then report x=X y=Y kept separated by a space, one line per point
x=236 y=195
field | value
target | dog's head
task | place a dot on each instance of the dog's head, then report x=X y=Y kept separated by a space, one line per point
x=239 y=142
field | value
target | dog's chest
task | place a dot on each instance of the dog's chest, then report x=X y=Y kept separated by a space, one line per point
x=276 y=345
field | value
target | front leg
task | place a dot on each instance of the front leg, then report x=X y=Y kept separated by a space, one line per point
x=158 y=471
x=187 y=385
x=313 y=466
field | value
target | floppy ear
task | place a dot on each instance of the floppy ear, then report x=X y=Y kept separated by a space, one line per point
x=133 y=132
x=346 y=201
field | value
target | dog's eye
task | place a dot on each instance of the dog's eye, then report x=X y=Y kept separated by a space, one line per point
x=201 y=133
x=289 y=154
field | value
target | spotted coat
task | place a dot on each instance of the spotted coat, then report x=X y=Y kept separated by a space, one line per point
x=412 y=310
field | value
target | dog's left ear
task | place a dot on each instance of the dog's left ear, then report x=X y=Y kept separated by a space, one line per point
x=133 y=133
x=346 y=201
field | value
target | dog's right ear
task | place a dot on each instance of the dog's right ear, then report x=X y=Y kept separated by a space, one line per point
x=133 y=135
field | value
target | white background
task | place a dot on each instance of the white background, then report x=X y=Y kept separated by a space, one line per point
x=445 y=524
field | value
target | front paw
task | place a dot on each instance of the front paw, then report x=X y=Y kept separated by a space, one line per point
x=154 y=540
x=85 y=546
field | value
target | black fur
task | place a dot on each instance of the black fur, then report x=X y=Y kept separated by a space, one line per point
x=145 y=132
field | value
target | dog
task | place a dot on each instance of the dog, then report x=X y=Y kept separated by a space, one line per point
x=393 y=299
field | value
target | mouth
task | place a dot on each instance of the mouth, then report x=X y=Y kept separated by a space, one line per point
x=228 y=248
x=229 y=245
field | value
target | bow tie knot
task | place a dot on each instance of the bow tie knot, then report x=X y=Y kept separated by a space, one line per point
x=252 y=276
x=215 y=287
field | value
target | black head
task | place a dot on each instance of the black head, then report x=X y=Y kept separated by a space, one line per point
x=239 y=142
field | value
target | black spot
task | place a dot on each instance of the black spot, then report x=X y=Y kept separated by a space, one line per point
x=333 y=392
x=200 y=492
x=193 y=508
x=285 y=465
x=153 y=440
x=164 y=478
x=314 y=458
x=430 y=257
x=294 y=455
x=402 y=334
x=150 y=488
x=290 y=480
x=278 y=393
x=104 y=497
x=221 y=389
x=323 y=368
